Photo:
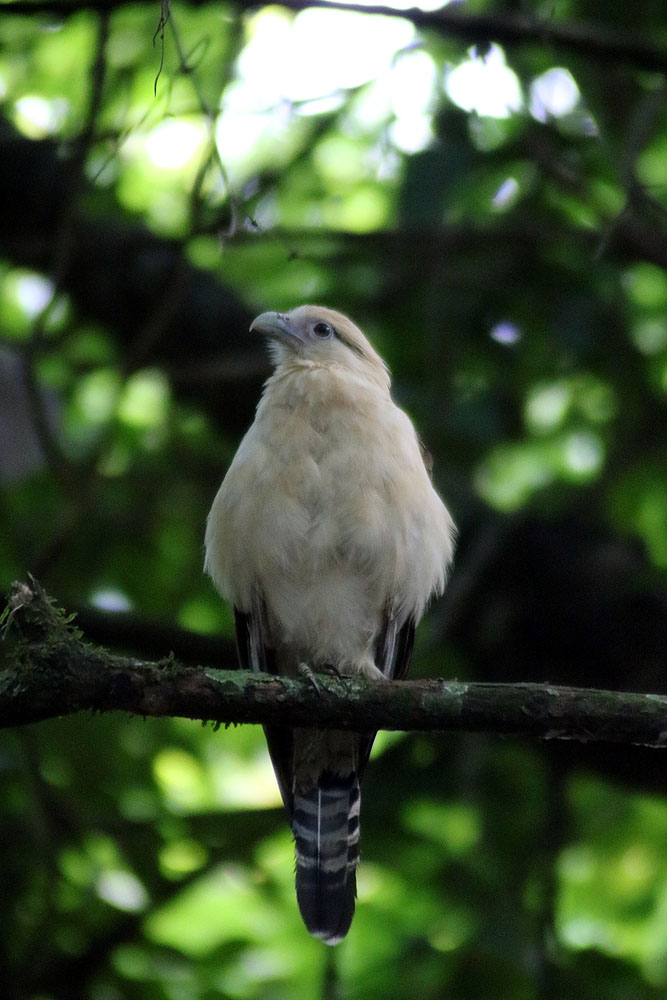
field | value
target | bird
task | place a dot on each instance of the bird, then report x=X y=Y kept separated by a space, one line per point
x=328 y=539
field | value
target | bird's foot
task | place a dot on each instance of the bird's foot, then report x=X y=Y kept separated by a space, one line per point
x=306 y=672
x=331 y=670
x=363 y=667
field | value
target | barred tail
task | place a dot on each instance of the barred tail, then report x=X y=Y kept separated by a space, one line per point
x=325 y=822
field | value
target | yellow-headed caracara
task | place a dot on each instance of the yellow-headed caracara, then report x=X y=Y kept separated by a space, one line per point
x=328 y=539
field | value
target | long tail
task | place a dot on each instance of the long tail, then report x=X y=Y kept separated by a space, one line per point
x=325 y=822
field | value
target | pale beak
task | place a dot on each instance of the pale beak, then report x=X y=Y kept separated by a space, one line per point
x=277 y=326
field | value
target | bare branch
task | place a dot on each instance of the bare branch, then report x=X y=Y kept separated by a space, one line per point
x=48 y=670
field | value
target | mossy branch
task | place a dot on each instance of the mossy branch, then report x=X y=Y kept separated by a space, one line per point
x=47 y=670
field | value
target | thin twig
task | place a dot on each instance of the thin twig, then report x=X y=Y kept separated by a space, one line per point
x=210 y=114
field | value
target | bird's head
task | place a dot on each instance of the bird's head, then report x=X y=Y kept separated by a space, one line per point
x=321 y=336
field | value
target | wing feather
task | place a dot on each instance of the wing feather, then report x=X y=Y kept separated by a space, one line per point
x=256 y=654
x=393 y=655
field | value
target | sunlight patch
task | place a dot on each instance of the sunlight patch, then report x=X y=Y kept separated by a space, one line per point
x=223 y=905
x=37 y=117
x=145 y=400
x=96 y=395
x=506 y=195
x=182 y=781
x=122 y=890
x=174 y=143
x=31 y=292
x=554 y=94
x=547 y=405
x=181 y=857
x=506 y=333
x=285 y=58
x=485 y=84
x=429 y=5
x=413 y=85
x=583 y=455
x=109 y=599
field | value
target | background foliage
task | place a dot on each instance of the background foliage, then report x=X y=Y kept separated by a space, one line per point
x=484 y=190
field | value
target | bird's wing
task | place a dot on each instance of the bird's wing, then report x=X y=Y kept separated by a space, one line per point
x=255 y=653
x=427 y=457
x=394 y=651
x=253 y=650
x=393 y=654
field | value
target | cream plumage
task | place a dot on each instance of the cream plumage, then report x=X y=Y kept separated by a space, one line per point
x=328 y=539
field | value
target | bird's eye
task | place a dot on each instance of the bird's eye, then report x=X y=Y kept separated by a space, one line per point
x=323 y=330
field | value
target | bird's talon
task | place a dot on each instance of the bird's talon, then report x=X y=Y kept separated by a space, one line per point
x=309 y=676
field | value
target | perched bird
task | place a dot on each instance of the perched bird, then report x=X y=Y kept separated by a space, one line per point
x=328 y=539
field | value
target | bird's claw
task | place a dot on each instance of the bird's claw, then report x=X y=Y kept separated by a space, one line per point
x=309 y=676
x=332 y=670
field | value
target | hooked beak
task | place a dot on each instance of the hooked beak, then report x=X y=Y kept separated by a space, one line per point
x=277 y=326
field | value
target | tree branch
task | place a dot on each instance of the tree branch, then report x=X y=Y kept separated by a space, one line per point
x=512 y=28
x=509 y=28
x=48 y=670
